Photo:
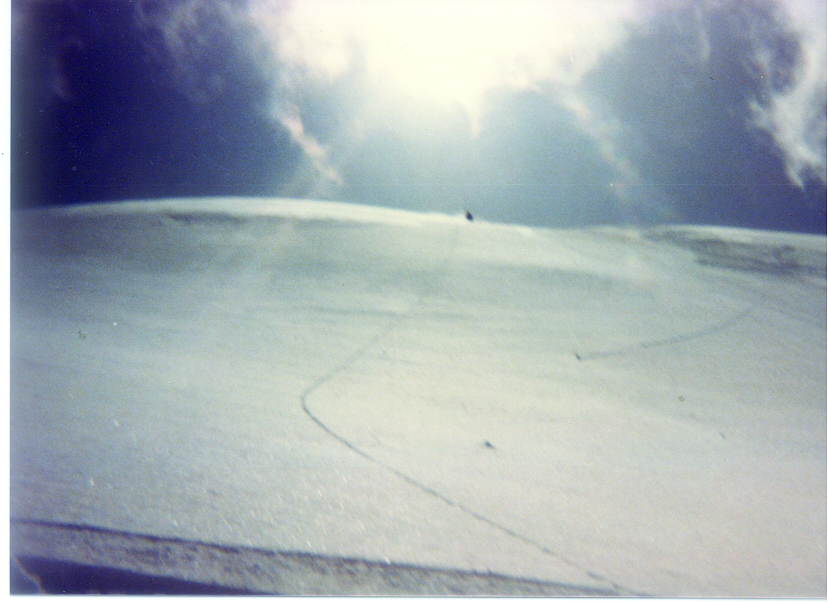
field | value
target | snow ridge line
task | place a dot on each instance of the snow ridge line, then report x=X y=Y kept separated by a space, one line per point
x=356 y=356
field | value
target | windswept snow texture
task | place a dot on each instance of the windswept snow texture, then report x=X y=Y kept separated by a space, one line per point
x=615 y=410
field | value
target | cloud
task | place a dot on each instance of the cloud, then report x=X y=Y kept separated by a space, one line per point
x=449 y=54
x=288 y=115
x=446 y=52
x=409 y=57
x=794 y=112
x=545 y=109
x=215 y=45
x=417 y=58
x=197 y=35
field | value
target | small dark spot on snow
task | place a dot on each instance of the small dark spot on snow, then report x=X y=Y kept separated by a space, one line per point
x=81 y=334
x=681 y=397
x=489 y=445
x=578 y=357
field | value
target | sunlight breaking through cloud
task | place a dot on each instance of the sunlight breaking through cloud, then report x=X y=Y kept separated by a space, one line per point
x=445 y=53
x=553 y=111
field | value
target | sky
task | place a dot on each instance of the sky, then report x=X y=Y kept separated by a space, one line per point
x=557 y=113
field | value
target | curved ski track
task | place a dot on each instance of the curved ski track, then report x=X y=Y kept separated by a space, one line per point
x=346 y=364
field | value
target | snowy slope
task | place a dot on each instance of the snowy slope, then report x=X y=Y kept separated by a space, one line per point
x=627 y=411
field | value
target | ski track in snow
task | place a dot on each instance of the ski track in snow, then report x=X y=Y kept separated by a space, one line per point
x=673 y=340
x=344 y=367
x=385 y=326
x=394 y=322
x=440 y=272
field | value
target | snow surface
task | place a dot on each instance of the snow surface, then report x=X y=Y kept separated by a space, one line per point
x=642 y=411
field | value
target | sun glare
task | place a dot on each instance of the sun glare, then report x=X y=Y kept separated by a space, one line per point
x=451 y=52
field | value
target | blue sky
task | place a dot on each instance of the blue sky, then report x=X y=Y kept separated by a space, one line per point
x=556 y=113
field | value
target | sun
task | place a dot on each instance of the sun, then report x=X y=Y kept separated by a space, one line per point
x=437 y=53
x=449 y=52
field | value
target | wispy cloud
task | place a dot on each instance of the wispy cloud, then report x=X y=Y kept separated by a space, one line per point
x=794 y=114
x=190 y=28
x=288 y=115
